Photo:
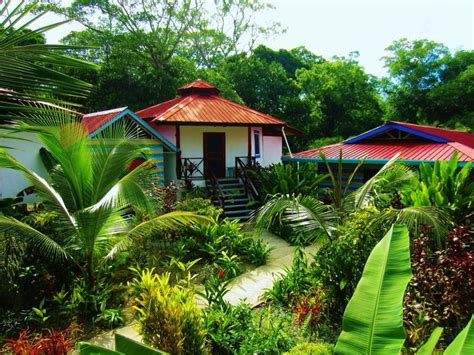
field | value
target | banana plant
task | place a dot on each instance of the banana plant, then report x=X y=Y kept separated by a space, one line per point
x=373 y=319
x=373 y=322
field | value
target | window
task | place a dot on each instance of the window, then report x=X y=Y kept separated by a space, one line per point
x=256 y=139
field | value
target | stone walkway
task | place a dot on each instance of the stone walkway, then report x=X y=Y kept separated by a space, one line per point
x=251 y=285
x=248 y=287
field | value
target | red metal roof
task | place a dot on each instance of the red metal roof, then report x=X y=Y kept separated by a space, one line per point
x=204 y=107
x=386 y=150
x=201 y=84
x=94 y=120
x=449 y=134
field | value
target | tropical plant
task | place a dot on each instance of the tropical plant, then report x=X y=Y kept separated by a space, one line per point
x=338 y=265
x=445 y=186
x=167 y=316
x=307 y=214
x=296 y=280
x=288 y=179
x=28 y=67
x=372 y=322
x=441 y=292
x=92 y=190
x=215 y=288
x=300 y=213
x=311 y=348
x=257 y=251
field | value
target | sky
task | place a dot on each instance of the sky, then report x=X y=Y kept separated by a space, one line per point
x=337 y=27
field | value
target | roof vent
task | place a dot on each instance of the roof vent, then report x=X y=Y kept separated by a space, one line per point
x=198 y=87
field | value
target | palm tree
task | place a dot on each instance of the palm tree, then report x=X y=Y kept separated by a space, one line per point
x=92 y=190
x=29 y=81
x=304 y=214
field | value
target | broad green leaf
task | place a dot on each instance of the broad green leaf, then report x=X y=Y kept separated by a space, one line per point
x=428 y=347
x=463 y=343
x=373 y=319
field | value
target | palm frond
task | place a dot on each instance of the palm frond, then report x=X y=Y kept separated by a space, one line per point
x=416 y=218
x=27 y=67
x=45 y=244
x=303 y=214
x=42 y=187
x=391 y=177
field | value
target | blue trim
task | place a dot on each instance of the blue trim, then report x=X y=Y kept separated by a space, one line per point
x=392 y=125
x=142 y=123
x=367 y=161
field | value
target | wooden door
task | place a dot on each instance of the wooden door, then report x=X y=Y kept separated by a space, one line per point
x=214 y=154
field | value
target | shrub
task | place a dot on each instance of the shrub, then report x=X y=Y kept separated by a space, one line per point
x=239 y=330
x=441 y=292
x=445 y=186
x=296 y=281
x=257 y=251
x=312 y=348
x=200 y=206
x=287 y=179
x=167 y=316
x=338 y=265
x=227 y=328
x=50 y=342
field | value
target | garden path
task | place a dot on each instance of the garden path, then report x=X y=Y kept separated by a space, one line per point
x=249 y=286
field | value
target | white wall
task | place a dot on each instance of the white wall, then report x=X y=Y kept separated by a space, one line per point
x=27 y=152
x=191 y=139
x=272 y=150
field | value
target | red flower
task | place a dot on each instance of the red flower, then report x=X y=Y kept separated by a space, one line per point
x=221 y=274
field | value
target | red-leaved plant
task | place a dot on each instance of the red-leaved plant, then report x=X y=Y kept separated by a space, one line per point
x=51 y=342
x=441 y=292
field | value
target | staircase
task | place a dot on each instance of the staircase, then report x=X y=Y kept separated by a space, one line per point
x=236 y=200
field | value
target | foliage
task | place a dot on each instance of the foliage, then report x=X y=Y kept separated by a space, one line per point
x=257 y=252
x=445 y=186
x=295 y=281
x=428 y=83
x=464 y=342
x=238 y=330
x=50 y=342
x=227 y=328
x=441 y=290
x=200 y=206
x=343 y=98
x=312 y=348
x=167 y=316
x=28 y=67
x=338 y=265
x=300 y=213
x=288 y=179
x=215 y=288
x=91 y=190
x=370 y=323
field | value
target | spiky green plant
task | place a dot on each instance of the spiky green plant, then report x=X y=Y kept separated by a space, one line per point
x=92 y=190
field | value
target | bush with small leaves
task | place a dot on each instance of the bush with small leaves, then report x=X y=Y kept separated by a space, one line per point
x=167 y=315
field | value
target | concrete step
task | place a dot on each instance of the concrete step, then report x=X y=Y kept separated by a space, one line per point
x=229 y=207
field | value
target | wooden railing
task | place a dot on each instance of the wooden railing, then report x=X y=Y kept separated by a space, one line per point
x=217 y=192
x=191 y=169
x=241 y=171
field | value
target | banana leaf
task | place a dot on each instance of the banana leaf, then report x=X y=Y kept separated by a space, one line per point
x=430 y=345
x=373 y=319
x=464 y=342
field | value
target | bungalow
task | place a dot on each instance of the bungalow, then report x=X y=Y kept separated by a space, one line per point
x=214 y=136
x=415 y=144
